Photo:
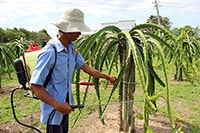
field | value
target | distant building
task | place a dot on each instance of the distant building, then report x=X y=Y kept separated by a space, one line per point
x=122 y=24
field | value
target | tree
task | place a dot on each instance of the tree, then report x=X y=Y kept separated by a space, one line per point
x=187 y=42
x=42 y=36
x=27 y=33
x=10 y=35
x=163 y=20
x=1 y=35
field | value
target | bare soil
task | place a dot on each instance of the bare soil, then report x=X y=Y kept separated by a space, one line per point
x=92 y=124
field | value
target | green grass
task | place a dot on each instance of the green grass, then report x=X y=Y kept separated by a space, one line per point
x=185 y=98
x=20 y=103
x=6 y=80
x=31 y=59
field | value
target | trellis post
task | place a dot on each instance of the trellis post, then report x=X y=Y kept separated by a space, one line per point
x=127 y=89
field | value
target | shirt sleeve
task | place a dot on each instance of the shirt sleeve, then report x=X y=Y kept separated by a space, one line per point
x=79 y=61
x=45 y=62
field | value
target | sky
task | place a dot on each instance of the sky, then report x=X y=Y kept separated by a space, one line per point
x=35 y=15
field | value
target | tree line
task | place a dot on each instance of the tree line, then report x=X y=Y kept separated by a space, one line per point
x=11 y=35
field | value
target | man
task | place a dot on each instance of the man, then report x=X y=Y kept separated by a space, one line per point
x=58 y=93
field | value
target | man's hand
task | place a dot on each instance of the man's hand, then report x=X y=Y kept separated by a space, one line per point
x=44 y=96
x=97 y=74
x=64 y=108
x=112 y=80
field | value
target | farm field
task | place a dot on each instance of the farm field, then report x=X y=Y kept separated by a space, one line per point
x=184 y=101
x=144 y=62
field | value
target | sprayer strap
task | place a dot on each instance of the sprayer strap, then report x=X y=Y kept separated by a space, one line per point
x=50 y=72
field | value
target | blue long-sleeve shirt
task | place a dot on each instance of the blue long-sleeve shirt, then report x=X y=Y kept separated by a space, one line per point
x=60 y=83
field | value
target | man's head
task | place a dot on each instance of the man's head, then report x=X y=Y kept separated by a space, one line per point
x=72 y=21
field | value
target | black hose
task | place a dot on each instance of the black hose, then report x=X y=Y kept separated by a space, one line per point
x=49 y=118
x=13 y=110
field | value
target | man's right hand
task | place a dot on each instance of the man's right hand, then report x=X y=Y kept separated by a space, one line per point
x=64 y=108
x=44 y=96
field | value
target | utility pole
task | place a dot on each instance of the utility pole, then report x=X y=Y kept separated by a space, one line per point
x=157 y=10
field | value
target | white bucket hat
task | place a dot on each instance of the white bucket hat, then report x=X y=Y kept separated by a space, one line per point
x=72 y=21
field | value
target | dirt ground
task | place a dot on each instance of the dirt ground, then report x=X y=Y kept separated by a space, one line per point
x=92 y=124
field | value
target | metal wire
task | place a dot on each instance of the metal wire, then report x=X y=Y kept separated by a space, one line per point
x=114 y=102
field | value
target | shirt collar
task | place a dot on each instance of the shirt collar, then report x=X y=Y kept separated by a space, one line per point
x=60 y=47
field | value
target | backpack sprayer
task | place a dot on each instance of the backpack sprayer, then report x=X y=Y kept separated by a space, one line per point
x=23 y=81
x=23 y=75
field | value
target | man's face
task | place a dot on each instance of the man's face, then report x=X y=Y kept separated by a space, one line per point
x=72 y=36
